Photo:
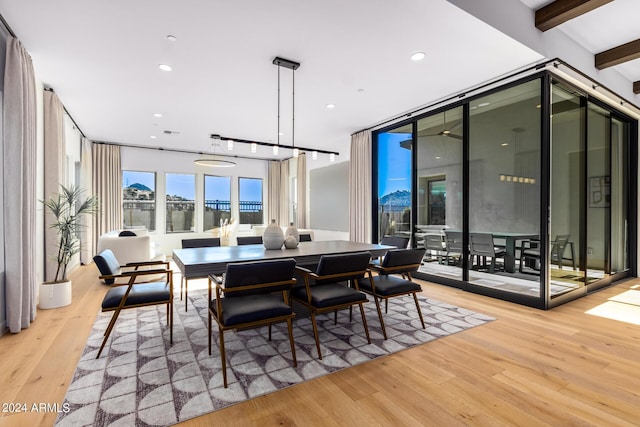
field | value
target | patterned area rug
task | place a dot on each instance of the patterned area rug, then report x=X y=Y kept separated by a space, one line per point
x=142 y=380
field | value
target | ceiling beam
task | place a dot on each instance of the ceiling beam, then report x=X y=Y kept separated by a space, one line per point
x=561 y=11
x=636 y=87
x=618 y=55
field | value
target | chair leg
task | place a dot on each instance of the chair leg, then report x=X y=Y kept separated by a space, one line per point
x=384 y=330
x=186 y=290
x=364 y=322
x=181 y=283
x=223 y=357
x=108 y=331
x=386 y=306
x=315 y=334
x=335 y=317
x=269 y=331
x=415 y=298
x=293 y=347
x=209 y=328
x=170 y=308
x=351 y=313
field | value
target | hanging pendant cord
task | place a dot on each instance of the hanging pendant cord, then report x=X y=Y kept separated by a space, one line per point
x=278 y=105
x=293 y=112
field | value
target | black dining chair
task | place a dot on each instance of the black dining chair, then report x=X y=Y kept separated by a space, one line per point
x=386 y=284
x=481 y=246
x=249 y=240
x=132 y=294
x=324 y=291
x=398 y=242
x=305 y=237
x=252 y=294
x=204 y=242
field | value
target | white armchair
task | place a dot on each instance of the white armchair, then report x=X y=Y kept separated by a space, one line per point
x=128 y=249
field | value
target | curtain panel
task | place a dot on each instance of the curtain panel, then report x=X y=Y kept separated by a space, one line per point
x=301 y=192
x=87 y=250
x=20 y=206
x=360 y=187
x=107 y=185
x=54 y=157
x=283 y=218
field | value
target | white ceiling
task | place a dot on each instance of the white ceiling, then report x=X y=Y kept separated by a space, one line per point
x=101 y=58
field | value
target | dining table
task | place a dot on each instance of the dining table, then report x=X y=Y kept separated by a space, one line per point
x=200 y=262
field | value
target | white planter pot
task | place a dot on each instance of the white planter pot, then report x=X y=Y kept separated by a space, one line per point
x=54 y=295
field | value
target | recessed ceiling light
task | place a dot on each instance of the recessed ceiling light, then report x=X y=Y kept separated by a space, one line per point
x=437 y=157
x=331 y=106
x=164 y=67
x=157 y=115
x=484 y=104
x=418 y=56
x=153 y=137
x=504 y=144
x=171 y=38
x=360 y=90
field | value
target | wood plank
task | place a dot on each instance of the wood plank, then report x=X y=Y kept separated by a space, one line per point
x=557 y=367
x=618 y=55
x=561 y=11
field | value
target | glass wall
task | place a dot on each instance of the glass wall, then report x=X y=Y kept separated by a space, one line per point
x=139 y=199
x=394 y=183
x=504 y=187
x=439 y=182
x=217 y=201
x=503 y=208
x=180 y=202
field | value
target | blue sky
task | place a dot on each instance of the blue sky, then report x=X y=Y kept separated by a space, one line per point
x=216 y=187
x=394 y=163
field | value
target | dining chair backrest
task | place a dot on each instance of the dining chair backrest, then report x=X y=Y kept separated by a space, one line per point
x=433 y=242
x=249 y=240
x=305 y=237
x=559 y=245
x=397 y=241
x=107 y=264
x=410 y=258
x=201 y=243
x=453 y=241
x=257 y=272
x=343 y=265
x=481 y=244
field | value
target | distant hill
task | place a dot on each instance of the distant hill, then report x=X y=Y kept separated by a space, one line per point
x=140 y=187
x=397 y=198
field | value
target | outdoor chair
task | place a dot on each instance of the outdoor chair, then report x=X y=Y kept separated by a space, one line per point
x=453 y=246
x=386 y=284
x=530 y=253
x=251 y=294
x=131 y=294
x=324 y=290
x=482 y=246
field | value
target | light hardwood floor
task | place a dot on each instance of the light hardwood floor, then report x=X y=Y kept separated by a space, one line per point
x=529 y=367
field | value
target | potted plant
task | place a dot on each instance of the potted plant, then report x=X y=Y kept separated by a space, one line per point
x=67 y=208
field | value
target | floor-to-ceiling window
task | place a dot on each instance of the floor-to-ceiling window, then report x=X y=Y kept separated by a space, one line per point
x=394 y=182
x=439 y=183
x=524 y=192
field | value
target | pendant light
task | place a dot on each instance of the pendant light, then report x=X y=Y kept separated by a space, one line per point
x=293 y=66
x=211 y=160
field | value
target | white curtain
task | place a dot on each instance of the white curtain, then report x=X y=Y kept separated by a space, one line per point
x=86 y=183
x=283 y=217
x=273 y=196
x=301 y=191
x=54 y=159
x=360 y=188
x=107 y=185
x=19 y=206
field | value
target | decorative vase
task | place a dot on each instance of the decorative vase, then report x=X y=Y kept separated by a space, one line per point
x=292 y=231
x=273 y=237
x=54 y=295
x=290 y=242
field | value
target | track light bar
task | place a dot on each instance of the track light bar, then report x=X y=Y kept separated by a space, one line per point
x=271 y=144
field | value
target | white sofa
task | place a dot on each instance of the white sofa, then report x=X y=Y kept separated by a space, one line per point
x=128 y=249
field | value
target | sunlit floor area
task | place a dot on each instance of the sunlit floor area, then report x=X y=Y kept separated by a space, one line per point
x=624 y=307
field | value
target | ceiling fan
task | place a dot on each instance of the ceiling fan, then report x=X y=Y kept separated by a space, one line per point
x=447 y=131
